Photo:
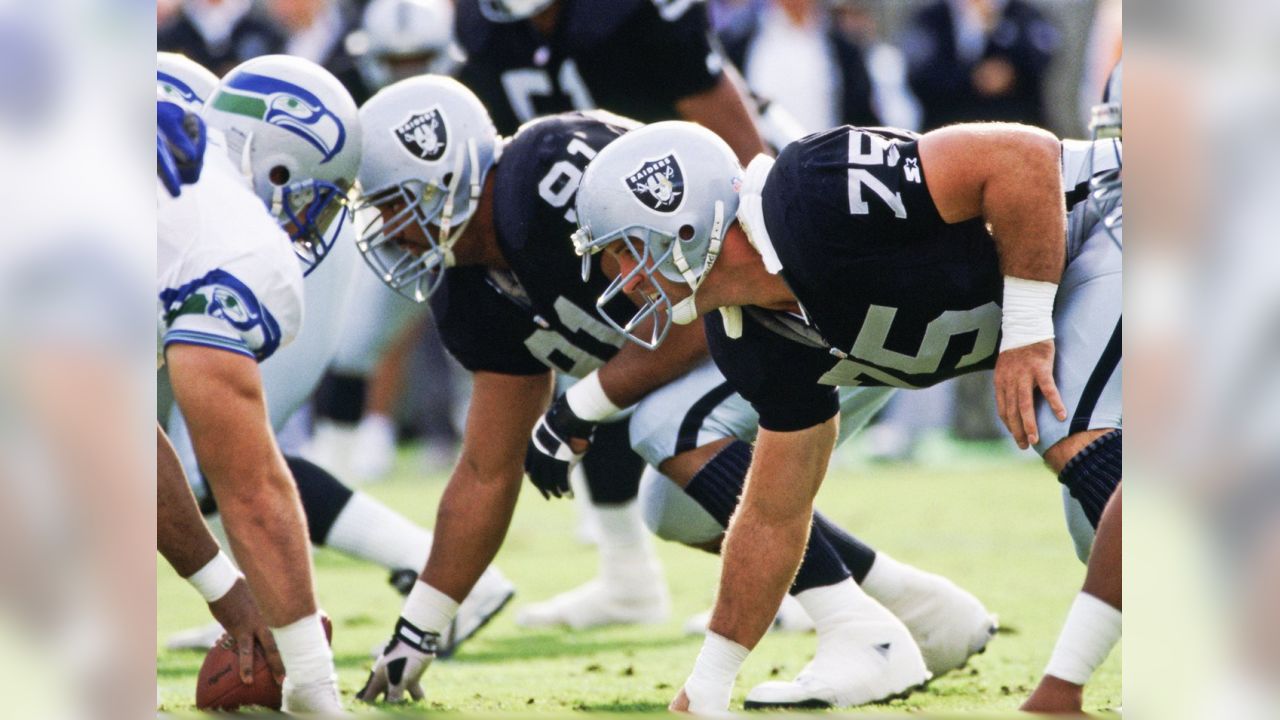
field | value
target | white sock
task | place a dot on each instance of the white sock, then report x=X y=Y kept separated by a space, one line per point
x=627 y=558
x=886 y=580
x=377 y=423
x=372 y=531
x=840 y=603
x=306 y=654
x=428 y=609
x=710 y=685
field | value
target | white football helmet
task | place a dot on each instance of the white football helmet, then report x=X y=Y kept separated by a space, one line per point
x=400 y=39
x=183 y=81
x=429 y=147
x=1106 y=187
x=506 y=11
x=668 y=192
x=293 y=129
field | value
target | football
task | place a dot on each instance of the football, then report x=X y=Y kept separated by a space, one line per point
x=218 y=685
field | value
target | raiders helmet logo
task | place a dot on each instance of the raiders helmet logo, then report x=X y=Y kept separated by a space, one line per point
x=658 y=184
x=424 y=134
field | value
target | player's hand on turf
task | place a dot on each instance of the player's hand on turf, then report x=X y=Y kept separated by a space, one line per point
x=400 y=666
x=559 y=441
x=238 y=614
x=1019 y=371
x=180 y=143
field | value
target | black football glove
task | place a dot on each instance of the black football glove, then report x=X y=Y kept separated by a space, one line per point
x=549 y=458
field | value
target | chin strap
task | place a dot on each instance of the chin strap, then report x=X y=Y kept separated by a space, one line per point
x=686 y=311
x=448 y=240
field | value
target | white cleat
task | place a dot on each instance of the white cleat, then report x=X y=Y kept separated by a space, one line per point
x=948 y=622
x=595 y=605
x=791 y=618
x=196 y=638
x=856 y=663
x=485 y=600
x=316 y=699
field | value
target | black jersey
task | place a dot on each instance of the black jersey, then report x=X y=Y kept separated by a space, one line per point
x=891 y=294
x=539 y=314
x=632 y=57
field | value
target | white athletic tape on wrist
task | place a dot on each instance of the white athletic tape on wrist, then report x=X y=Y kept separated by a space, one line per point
x=428 y=609
x=1027 y=313
x=587 y=399
x=710 y=685
x=1091 y=630
x=215 y=579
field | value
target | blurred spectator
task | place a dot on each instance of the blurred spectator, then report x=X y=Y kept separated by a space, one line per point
x=793 y=54
x=1101 y=55
x=316 y=30
x=399 y=39
x=218 y=34
x=980 y=60
x=891 y=97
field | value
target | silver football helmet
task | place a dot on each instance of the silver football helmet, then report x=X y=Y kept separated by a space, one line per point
x=1106 y=186
x=668 y=193
x=399 y=39
x=183 y=81
x=293 y=129
x=430 y=145
x=506 y=11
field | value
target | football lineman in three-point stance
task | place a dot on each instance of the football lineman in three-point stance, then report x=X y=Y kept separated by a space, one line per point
x=861 y=258
x=507 y=294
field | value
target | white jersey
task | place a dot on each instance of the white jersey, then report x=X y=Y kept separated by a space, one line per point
x=227 y=276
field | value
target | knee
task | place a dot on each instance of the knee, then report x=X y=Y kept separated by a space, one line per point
x=674 y=516
x=1092 y=471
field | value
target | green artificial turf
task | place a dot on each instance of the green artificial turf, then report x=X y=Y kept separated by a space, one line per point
x=990 y=520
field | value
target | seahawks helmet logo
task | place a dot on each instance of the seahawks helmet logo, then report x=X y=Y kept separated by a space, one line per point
x=424 y=135
x=286 y=106
x=174 y=88
x=658 y=184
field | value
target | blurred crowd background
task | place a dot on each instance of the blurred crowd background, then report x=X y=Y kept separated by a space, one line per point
x=914 y=64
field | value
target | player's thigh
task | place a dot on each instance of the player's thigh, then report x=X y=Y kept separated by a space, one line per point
x=1087 y=319
x=693 y=411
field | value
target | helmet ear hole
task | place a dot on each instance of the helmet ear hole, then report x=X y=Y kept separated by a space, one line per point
x=686 y=232
x=447 y=179
x=278 y=175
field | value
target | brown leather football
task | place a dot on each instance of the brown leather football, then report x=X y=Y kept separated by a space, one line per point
x=218 y=686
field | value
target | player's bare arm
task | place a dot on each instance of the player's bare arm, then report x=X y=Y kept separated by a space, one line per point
x=220 y=394
x=185 y=541
x=476 y=507
x=1010 y=176
x=635 y=372
x=724 y=110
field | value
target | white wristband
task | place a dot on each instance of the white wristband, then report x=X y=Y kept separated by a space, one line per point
x=1091 y=630
x=710 y=685
x=587 y=400
x=1027 y=313
x=215 y=579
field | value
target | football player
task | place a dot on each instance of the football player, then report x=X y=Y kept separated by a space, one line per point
x=182 y=537
x=337 y=516
x=230 y=295
x=862 y=258
x=507 y=294
x=648 y=60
